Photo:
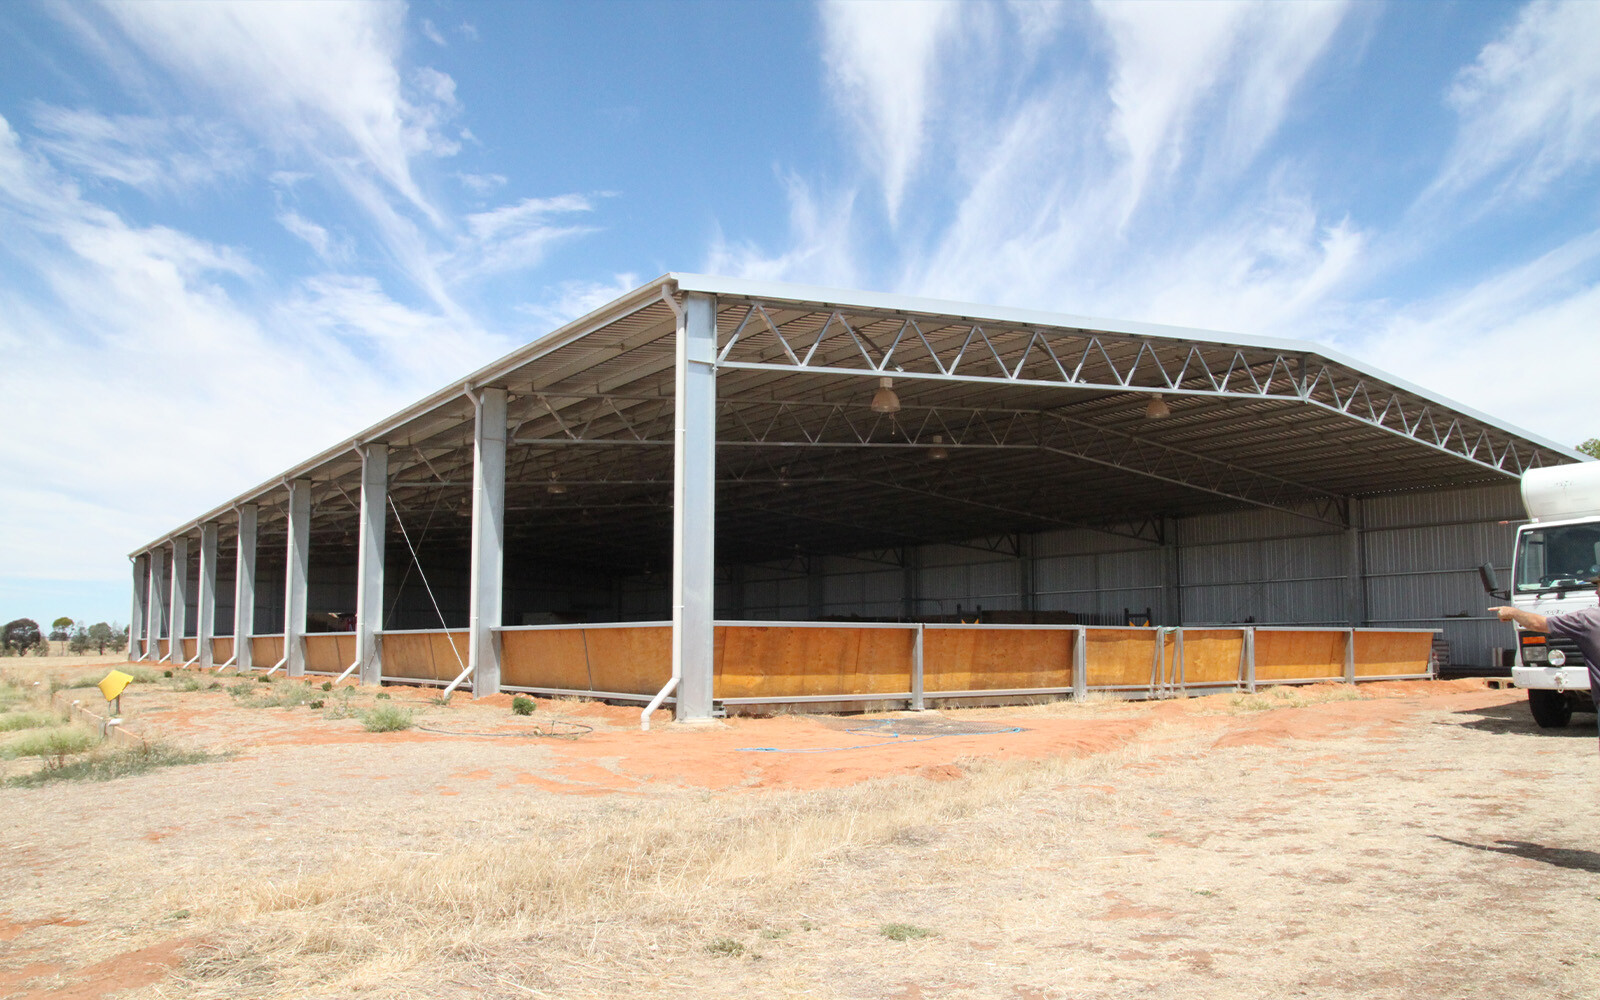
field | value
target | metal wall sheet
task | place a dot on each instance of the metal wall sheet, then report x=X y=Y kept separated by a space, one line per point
x=1420 y=552
x=1497 y=502
x=1267 y=602
x=1245 y=526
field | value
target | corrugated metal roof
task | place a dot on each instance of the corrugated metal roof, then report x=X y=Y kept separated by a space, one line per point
x=1042 y=418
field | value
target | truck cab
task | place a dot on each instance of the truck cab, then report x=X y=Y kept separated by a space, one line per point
x=1554 y=569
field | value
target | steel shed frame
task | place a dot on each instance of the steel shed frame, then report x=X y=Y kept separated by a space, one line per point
x=738 y=412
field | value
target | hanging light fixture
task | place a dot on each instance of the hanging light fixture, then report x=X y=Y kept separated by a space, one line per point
x=937 y=452
x=1157 y=408
x=885 y=400
x=556 y=487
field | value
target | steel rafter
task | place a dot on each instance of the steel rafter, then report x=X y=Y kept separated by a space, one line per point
x=759 y=338
x=798 y=423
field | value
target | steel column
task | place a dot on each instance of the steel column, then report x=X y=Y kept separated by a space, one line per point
x=206 y=606
x=694 y=493
x=156 y=615
x=296 y=572
x=1172 y=563
x=180 y=599
x=1080 y=664
x=1250 y=660
x=1356 y=591
x=136 y=620
x=488 y=540
x=910 y=582
x=917 y=702
x=244 y=588
x=369 y=560
x=1025 y=586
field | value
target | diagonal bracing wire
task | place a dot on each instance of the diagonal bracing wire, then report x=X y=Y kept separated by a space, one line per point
x=424 y=575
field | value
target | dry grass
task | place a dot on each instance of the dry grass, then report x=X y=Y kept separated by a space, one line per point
x=1289 y=696
x=681 y=873
x=1178 y=868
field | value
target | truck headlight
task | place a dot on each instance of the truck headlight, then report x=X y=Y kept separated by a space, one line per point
x=1557 y=658
x=1533 y=654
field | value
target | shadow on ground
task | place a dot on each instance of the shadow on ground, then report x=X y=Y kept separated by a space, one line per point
x=1515 y=718
x=1561 y=857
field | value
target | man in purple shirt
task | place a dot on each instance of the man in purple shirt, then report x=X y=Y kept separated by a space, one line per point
x=1582 y=627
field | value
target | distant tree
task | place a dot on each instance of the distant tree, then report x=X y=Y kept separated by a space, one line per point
x=19 y=636
x=1591 y=447
x=101 y=635
x=79 y=642
x=61 y=629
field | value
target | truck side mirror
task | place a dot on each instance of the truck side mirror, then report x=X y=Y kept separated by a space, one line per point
x=1491 y=583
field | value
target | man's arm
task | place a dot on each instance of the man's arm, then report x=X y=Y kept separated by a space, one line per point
x=1529 y=620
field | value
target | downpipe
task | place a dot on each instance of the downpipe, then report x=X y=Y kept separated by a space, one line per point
x=655 y=703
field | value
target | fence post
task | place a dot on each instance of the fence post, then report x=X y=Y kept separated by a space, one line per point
x=1178 y=661
x=916 y=671
x=1080 y=664
x=1158 y=672
x=1350 y=656
x=1250 y=660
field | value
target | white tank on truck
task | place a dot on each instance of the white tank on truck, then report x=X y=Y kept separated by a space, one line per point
x=1554 y=569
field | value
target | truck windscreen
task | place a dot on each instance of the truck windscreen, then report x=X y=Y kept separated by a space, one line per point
x=1566 y=557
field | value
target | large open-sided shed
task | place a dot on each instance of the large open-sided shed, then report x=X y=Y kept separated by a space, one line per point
x=707 y=450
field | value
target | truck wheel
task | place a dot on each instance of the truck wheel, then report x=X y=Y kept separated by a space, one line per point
x=1550 y=708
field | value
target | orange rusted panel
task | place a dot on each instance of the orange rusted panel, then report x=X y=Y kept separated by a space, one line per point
x=634 y=660
x=1382 y=654
x=433 y=656
x=221 y=648
x=550 y=658
x=163 y=645
x=777 y=661
x=1121 y=656
x=961 y=659
x=1212 y=656
x=330 y=652
x=266 y=650
x=628 y=660
x=1290 y=655
x=191 y=647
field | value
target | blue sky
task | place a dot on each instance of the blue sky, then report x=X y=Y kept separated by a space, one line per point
x=232 y=235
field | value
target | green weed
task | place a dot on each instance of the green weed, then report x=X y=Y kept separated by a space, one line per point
x=107 y=763
x=15 y=721
x=903 y=932
x=52 y=746
x=522 y=705
x=386 y=719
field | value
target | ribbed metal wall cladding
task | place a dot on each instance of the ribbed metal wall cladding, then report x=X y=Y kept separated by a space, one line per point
x=1419 y=553
x=1108 y=579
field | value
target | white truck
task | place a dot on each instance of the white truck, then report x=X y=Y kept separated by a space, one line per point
x=1556 y=562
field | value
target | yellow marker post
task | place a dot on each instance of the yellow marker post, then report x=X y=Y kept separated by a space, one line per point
x=112 y=687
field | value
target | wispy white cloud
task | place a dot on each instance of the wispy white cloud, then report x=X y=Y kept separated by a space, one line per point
x=1520 y=344
x=1529 y=106
x=481 y=184
x=820 y=243
x=121 y=334
x=572 y=299
x=516 y=236
x=881 y=59
x=314 y=235
x=432 y=33
x=305 y=75
x=155 y=155
x=1171 y=60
